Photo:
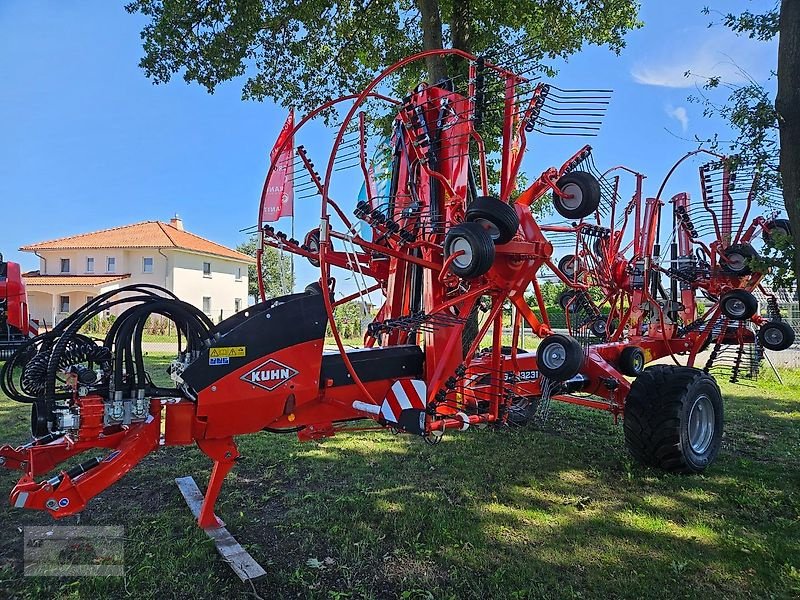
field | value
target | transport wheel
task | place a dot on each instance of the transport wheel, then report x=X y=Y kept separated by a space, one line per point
x=631 y=361
x=584 y=191
x=738 y=257
x=498 y=218
x=777 y=229
x=739 y=305
x=776 y=335
x=477 y=247
x=522 y=409
x=559 y=357
x=599 y=327
x=674 y=419
x=311 y=244
x=564 y=299
x=567 y=265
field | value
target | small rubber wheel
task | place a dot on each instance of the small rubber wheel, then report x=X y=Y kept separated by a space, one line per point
x=674 y=419
x=631 y=361
x=599 y=327
x=738 y=305
x=737 y=259
x=498 y=218
x=776 y=335
x=476 y=246
x=568 y=265
x=583 y=190
x=559 y=357
x=522 y=409
x=311 y=244
x=777 y=228
x=313 y=289
x=565 y=299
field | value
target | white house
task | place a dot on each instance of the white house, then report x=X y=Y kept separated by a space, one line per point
x=75 y=269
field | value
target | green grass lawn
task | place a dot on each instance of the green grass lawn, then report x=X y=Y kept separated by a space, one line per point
x=551 y=511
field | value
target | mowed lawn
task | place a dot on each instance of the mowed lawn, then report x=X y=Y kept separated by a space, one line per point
x=556 y=510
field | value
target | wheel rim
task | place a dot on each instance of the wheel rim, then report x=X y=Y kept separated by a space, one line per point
x=576 y=198
x=736 y=261
x=464 y=260
x=773 y=336
x=701 y=424
x=555 y=356
x=491 y=228
x=735 y=307
x=638 y=362
x=569 y=268
x=600 y=327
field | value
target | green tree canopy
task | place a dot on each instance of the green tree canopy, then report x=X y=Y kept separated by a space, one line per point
x=302 y=52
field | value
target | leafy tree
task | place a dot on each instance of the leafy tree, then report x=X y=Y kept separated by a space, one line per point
x=767 y=130
x=302 y=52
x=279 y=277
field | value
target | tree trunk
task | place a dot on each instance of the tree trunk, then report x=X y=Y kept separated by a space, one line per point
x=432 y=38
x=460 y=25
x=787 y=103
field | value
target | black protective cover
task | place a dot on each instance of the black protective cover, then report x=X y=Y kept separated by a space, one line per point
x=374 y=364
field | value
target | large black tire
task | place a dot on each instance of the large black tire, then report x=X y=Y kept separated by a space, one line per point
x=777 y=228
x=567 y=265
x=478 y=249
x=559 y=357
x=631 y=361
x=585 y=191
x=498 y=218
x=674 y=419
x=776 y=335
x=738 y=305
x=738 y=258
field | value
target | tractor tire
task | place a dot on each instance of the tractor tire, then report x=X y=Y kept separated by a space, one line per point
x=738 y=257
x=498 y=218
x=776 y=335
x=777 y=229
x=631 y=361
x=567 y=266
x=674 y=419
x=585 y=191
x=477 y=247
x=559 y=357
x=738 y=305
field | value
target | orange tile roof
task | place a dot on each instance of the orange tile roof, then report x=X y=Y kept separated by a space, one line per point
x=33 y=278
x=147 y=234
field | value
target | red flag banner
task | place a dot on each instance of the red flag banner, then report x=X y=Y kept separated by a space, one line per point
x=278 y=198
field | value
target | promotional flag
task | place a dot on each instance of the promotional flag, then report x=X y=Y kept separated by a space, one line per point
x=278 y=199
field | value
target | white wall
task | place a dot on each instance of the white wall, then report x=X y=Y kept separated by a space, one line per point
x=190 y=285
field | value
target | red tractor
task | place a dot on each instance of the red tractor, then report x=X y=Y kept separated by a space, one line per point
x=439 y=254
x=15 y=327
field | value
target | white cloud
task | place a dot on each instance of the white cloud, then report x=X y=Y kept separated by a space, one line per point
x=725 y=55
x=679 y=114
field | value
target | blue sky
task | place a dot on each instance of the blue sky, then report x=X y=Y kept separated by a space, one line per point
x=87 y=142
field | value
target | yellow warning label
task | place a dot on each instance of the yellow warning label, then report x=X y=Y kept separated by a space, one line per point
x=229 y=352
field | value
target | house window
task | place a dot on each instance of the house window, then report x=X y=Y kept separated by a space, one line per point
x=238 y=275
x=90 y=264
x=237 y=304
x=111 y=265
x=89 y=299
x=206 y=269
x=147 y=264
x=207 y=304
x=63 y=304
x=65 y=265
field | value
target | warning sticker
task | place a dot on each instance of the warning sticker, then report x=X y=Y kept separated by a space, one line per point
x=219 y=360
x=227 y=352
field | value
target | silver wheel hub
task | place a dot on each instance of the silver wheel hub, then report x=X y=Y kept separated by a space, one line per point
x=573 y=196
x=464 y=260
x=555 y=356
x=701 y=424
x=736 y=261
x=773 y=336
x=735 y=307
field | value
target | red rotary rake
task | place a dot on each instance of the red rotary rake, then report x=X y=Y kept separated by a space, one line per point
x=444 y=255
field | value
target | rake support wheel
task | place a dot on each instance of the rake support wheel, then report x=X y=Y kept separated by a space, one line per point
x=583 y=195
x=559 y=357
x=498 y=218
x=674 y=419
x=476 y=247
